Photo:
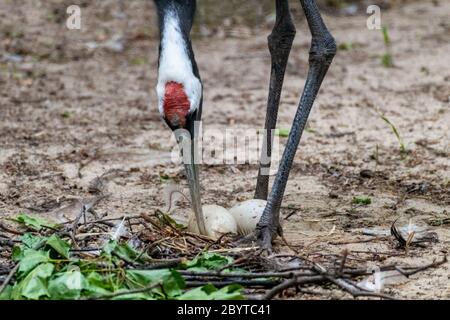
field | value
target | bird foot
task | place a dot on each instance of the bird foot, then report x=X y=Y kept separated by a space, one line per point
x=262 y=237
x=265 y=234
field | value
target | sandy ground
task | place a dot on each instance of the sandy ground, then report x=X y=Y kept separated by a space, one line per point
x=70 y=113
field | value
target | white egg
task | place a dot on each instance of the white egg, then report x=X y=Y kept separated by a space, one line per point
x=218 y=221
x=247 y=214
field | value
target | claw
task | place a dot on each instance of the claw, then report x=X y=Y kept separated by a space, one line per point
x=265 y=235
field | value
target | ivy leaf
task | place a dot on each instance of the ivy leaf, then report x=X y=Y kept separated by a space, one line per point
x=30 y=241
x=67 y=285
x=59 y=245
x=34 y=285
x=98 y=285
x=31 y=258
x=34 y=223
x=17 y=253
x=172 y=281
x=6 y=293
x=208 y=261
x=209 y=292
x=124 y=252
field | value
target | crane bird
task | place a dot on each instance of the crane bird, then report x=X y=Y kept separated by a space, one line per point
x=180 y=92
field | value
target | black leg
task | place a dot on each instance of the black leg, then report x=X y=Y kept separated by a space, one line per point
x=322 y=51
x=280 y=43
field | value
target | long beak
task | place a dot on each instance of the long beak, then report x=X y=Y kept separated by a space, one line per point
x=189 y=150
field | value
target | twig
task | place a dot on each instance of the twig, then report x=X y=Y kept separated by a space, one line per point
x=215 y=274
x=433 y=264
x=122 y=293
x=359 y=241
x=291 y=283
x=344 y=259
x=222 y=283
x=10 y=230
x=355 y=291
x=9 y=277
x=239 y=260
x=73 y=229
x=161 y=264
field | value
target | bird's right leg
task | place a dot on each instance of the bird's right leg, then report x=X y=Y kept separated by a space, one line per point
x=280 y=43
x=321 y=53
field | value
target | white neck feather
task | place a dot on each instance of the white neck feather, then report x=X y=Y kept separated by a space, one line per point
x=174 y=63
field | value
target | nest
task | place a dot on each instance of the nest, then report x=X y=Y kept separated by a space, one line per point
x=159 y=243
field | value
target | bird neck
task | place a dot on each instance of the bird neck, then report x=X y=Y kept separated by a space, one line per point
x=177 y=64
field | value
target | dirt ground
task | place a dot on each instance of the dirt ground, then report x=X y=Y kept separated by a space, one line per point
x=76 y=104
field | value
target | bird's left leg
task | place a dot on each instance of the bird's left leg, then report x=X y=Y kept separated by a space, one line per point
x=322 y=51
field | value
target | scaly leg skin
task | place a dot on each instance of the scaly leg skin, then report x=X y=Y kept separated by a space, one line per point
x=322 y=51
x=280 y=43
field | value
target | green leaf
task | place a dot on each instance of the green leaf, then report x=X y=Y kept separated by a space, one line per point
x=29 y=241
x=34 y=223
x=17 y=253
x=386 y=60
x=361 y=200
x=59 y=245
x=31 y=258
x=386 y=37
x=209 y=292
x=6 y=294
x=208 y=261
x=166 y=219
x=67 y=285
x=124 y=252
x=174 y=284
x=397 y=134
x=34 y=285
x=282 y=132
x=98 y=285
x=66 y=114
x=172 y=281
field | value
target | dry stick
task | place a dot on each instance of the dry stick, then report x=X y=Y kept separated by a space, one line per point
x=246 y=283
x=122 y=293
x=434 y=264
x=75 y=225
x=137 y=216
x=8 y=242
x=291 y=283
x=344 y=259
x=167 y=222
x=356 y=291
x=8 y=229
x=288 y=245
x=239 y=260
x=160 y=265
x=214 y=274
x=360 y=241
x=392 y=254
x=9 y=277
x=342 y=282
